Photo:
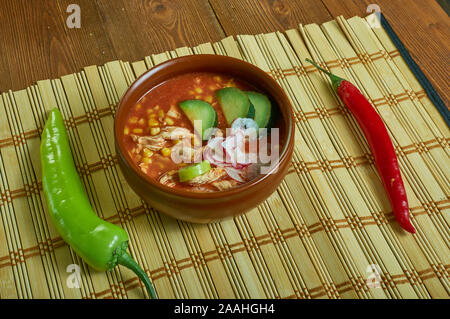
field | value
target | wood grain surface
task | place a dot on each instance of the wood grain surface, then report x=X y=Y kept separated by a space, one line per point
x=37 y=44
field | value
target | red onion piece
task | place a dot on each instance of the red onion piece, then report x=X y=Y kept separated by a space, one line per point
x=235 y=174
x=228 y=151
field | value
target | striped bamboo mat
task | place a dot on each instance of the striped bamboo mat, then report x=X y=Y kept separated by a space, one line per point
x=327 y=232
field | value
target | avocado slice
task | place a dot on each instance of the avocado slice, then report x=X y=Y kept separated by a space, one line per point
x=234 y=103
x=200 y=110
x=262 y=108
x=251 y=111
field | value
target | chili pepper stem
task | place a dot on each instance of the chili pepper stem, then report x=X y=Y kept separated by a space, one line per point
x=126 y=260
x=335 y=80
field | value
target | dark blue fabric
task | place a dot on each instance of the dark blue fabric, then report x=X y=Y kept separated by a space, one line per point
x=431 y=92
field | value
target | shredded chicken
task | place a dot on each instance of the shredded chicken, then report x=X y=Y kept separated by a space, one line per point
x=211 y=176
x=174 y=133
x=144 y=167
x=225 y=184
x=157 y=142
x=138 y=148
x=201 y=188
x=154 y=143
x=173 y=112
x=169 y=179
x=183 y=152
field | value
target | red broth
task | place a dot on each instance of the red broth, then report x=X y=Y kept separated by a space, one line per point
x=159 y=109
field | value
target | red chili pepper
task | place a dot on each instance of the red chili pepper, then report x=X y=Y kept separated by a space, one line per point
x=380 y=144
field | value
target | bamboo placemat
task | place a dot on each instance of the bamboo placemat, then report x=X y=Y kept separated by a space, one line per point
x=322 y=234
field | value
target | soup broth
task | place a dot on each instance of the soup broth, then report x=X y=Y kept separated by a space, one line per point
x=162 y=123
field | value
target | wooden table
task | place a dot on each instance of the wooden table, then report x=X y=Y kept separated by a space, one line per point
x=37 y=44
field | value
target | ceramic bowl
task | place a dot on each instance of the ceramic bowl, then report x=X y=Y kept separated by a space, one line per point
x=206 y=207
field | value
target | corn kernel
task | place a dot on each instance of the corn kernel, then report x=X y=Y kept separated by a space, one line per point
x=153 y=122
x=126 y=131
x=147 y=152
x=138 y=106
x=133 y=120
x=209 y=99
x=169 y=121
x=154 y=130
x=165 y=151
x=156 y=107
x=217 y=78
x=141 y=121
x=198 y=90
x=161 y=113
x=138 y=131
x=191 y=92
x=149 y=111
x=152 y=116
x=146 y=160
x=198 y=97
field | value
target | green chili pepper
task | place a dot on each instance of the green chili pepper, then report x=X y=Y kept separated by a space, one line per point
x=101 y=244
x=189 y=172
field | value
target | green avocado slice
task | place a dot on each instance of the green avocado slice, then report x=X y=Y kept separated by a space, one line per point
x=200 y=110
x=262 y=108
x=234 y=103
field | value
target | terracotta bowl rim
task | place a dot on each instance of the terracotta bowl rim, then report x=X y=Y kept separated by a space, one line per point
x=286 y=150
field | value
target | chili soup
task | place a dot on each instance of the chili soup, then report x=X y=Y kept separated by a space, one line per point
x=196 y=132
